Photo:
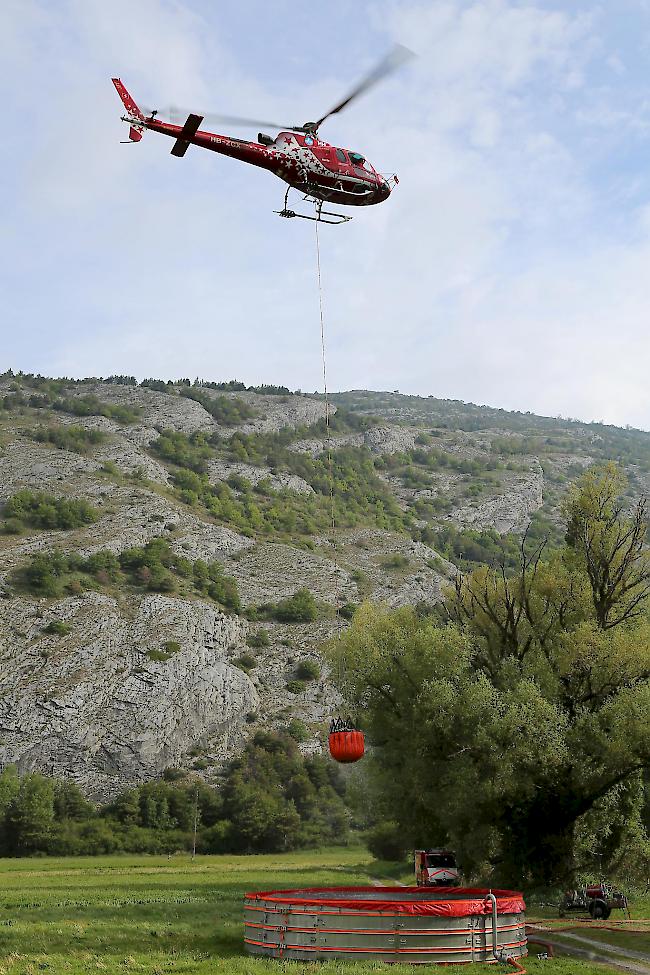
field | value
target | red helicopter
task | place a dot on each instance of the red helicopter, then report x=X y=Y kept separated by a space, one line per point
x=324 y=173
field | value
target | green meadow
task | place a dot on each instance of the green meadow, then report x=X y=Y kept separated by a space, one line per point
x=156 y=915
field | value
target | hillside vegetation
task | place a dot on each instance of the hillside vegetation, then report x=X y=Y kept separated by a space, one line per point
x=209 y=517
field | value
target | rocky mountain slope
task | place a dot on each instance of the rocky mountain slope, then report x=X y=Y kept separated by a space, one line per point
x=115 y=665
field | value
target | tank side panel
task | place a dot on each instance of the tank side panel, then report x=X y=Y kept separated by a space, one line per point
x=323 y=931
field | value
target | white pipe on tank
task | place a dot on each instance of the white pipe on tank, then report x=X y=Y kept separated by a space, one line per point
x=495 y=926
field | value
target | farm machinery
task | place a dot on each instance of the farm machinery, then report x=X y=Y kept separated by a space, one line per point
x=597 y=900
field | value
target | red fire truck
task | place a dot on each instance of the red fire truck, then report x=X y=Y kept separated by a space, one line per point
x=436 y=868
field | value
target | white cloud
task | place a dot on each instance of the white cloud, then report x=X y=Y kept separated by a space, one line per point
x=509 y=267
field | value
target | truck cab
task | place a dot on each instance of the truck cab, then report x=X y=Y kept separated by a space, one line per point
x=436 y=868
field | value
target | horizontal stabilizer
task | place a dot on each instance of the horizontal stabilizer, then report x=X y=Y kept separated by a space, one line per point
x=186 y=135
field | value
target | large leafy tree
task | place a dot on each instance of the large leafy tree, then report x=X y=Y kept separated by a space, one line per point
x=518 y=720
x=29 y=819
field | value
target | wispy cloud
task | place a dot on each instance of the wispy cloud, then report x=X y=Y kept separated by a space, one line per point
x=509 y=267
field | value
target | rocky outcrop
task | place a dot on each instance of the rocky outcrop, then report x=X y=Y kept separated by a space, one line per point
x=509 y=511
x=221 y=470
x=157 y=410
x=271 y=571
x=39 y=467
x=379 y=440
x=389 y=440
x=119 y=698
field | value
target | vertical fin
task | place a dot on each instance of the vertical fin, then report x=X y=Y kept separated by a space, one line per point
x=127 y=101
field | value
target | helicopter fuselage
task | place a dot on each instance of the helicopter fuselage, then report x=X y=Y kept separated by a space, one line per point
x=302 y=160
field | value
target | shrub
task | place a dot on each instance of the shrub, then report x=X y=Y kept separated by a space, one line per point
x=239 y=483
x=209 y=578
x=57 y=628
x=41 y=510
x=259 y=639
x=246 y=662
x=226 y=410
x=298 y=730
x=154 y=566
x=191 y=452
x=307 y=670
x=347 y=610
x=160 y=656
x=386 y=841
x=296 y=686
x=76 y=439
x=44 y=573
x=12 y=526
x=395 y=561
x=299 y=608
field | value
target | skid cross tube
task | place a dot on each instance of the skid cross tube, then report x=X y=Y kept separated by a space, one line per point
x=321 y=215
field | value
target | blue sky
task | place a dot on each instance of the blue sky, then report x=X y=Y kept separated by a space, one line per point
x=511 y=266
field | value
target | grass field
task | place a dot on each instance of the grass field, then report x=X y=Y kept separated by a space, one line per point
x=153 y=915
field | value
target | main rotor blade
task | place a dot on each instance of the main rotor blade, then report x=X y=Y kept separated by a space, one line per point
x=393 y=60
x=216 y=119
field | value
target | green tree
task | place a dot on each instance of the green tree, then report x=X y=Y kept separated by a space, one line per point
x=9 y=788
x=299 y=608
x=506 y=729
x=30 y=820
x=276 y=800
x=70 y=803
x=610 y=544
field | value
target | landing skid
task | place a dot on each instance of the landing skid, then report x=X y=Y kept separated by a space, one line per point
x=321 y=215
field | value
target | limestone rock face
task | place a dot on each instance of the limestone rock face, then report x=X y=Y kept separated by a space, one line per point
x=142 y=682
x=389 y=440
x=379 y=440
x=116 y=701
x=219 y=470
x=509 y=511
x=39 y=467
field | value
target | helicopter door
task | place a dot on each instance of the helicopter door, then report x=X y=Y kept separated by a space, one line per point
x=324 y=156
x=343 y=163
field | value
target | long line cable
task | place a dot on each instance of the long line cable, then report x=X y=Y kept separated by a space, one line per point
x=328 y=433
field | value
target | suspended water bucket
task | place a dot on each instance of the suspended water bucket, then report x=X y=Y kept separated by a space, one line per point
x=346 y=744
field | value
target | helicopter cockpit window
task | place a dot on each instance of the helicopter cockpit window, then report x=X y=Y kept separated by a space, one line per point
x=340 y=155
x=357 y=159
